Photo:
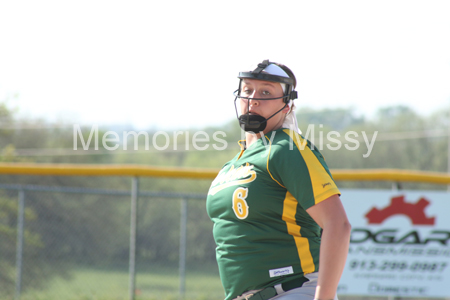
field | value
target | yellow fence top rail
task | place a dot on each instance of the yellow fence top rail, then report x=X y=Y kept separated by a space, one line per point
x=105 y=170
x=198 y=173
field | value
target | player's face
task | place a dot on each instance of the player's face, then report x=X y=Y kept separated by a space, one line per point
x=252 y=88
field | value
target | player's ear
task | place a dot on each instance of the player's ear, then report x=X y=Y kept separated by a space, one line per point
x=286 y=109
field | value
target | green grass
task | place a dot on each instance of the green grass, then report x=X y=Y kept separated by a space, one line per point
x=154 y=282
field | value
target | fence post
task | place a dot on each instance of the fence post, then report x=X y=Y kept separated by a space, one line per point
x=182 y=259
x=396 y=186
x=19 y=249
x=133 y=230
x=448 y=150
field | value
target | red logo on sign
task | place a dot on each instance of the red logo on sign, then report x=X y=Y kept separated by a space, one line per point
x=415 y=212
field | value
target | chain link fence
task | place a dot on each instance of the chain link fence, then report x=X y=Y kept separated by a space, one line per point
x=99 y=237
x=60 y=242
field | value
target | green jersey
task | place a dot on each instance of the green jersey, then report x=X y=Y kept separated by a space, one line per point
x=258 y=204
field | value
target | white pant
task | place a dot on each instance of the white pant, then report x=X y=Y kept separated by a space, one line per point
x=305 y=292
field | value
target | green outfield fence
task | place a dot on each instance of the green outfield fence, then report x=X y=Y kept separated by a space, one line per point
x=70 y=231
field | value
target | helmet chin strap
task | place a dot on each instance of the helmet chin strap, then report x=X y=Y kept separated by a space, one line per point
x=255 y=123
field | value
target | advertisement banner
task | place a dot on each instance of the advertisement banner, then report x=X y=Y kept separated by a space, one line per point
x=400 y=243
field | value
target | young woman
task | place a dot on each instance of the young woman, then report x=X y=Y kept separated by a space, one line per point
x=279 y=225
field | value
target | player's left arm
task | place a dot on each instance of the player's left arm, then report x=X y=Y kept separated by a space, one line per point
x=331 y=217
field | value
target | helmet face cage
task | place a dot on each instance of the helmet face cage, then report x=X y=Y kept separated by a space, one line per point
x=256 y=123
x=287 y=94
x=290 y=82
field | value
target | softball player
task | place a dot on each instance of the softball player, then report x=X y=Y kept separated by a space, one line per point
x=272 y=201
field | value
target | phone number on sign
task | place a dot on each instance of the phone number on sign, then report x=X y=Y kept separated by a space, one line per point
x=368 y=265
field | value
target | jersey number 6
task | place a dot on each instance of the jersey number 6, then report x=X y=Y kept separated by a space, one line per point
x=240 y=206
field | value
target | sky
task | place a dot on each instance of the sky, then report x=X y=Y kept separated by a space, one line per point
x=174 y=64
